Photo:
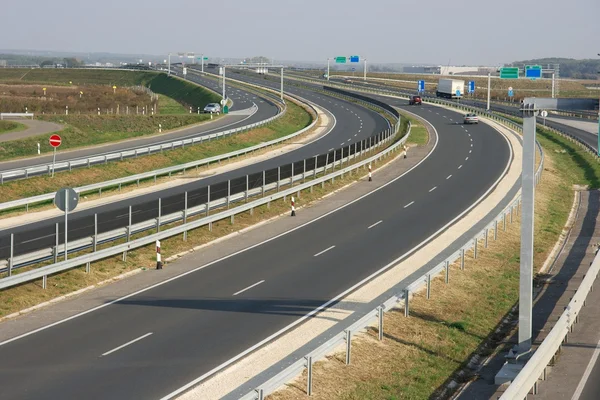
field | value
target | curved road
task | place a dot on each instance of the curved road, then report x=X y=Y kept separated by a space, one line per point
x=189 y=325
x=242 y=99
x=353 y=123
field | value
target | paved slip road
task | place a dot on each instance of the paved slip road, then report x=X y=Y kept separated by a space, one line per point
x=34 y=128
x=353 y=123
x=242 y=100
x=189 y=325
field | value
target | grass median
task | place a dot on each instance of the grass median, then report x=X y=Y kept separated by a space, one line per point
x=294 y=120
x=421 y=354
x=10 y=126
x=27 y=295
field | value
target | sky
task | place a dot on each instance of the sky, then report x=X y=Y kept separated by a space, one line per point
x=465 y=32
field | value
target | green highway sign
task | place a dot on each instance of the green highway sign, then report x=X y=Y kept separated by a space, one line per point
x=509 y=73
x=340 y=60
x=205 y=58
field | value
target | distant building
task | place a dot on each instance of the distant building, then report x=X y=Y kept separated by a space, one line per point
x=3 y=63
x=448 y=70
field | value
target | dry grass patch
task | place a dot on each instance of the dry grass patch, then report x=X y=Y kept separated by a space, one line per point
x=421 y=353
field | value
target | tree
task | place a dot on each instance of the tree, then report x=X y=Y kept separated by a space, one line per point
x=72 y=62
x=46 y=62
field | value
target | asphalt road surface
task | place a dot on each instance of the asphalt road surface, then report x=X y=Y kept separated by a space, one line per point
x=177 y=331
x=353 y=124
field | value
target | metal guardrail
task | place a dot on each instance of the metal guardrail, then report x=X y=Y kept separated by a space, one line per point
x=346 y=155
x=527 y=379
x=15 y=115
x=98 y=187
x=119 y=156
x=376 y=314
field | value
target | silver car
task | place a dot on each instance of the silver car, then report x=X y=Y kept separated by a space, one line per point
x=212 y=108
x=471 y=119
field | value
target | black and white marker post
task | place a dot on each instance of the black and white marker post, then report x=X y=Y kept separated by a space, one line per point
x=159 y=263
x=293 y=207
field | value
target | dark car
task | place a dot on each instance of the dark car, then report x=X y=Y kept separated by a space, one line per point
x=415 y=100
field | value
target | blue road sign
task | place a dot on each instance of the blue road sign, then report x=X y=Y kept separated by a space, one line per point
x=510 y=93
x=354 y=59
x=533 y=71
x=471 y=86
x=457 y=92
x=353 y=69
x=421 y=86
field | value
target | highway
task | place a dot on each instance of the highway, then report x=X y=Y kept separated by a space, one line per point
x=156 y=341
x=353 y=124
x=242 y=100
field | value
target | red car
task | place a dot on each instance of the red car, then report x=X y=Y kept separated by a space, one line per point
x=415 y=100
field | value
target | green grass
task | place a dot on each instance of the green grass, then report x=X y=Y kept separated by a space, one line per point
x=90 y=130
x=295 y=119
x=11 y=126
x=418 y=133
x=167 y=105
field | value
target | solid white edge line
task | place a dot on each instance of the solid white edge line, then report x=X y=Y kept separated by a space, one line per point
x=359 y=284
x=375 y=224
x=126 y=344
x=409 y=204
x=432 y=189
x=587 y=373
x=324 y=251
x=248 y=288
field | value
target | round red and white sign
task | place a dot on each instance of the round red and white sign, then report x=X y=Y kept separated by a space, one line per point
x=55 y=140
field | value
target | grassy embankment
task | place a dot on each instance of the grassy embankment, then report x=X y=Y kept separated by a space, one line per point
x=420 y=354
x=10 y=126
x=90 y=129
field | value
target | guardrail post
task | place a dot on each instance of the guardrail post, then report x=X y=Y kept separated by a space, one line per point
x=309 y=375
x=511 y=214
x=159 y=215
x=485 y=243
x=447 y=270
x=44 y=281
x=406 y=303
x=333 y=167
x=304 y=172
x=185 y=212
x=462 y=259
x=348 y=346
x=95 y=232
x=278 y=177
x=56 y=244
x=247 y=188
x=475 y=247
x=315 y=170
x=11 y=259
x=128 y=234
x=380 y=320
x=263 y=184
x=260 y=394
x=495 y=229
x=504 y=220
x=228 y=193
x=292 y=177
x=428 y=281
x=208 y=202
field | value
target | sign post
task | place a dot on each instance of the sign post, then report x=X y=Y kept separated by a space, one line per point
x=544 y=114
x=55 y=141
x=66 y=200
x=510 y=91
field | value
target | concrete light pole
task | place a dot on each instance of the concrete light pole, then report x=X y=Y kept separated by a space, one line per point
x=328 y=69
x=365 y=74
x=169 y=64
x=489 y=88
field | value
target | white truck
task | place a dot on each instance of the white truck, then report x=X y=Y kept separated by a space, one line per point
x=450 y=88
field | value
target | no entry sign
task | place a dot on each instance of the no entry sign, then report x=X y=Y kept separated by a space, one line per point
x=55 y=140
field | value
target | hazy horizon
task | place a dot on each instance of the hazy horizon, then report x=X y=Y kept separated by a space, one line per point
x=441 y=32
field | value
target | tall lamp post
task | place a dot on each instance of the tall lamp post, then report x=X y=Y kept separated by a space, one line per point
x=599 y=121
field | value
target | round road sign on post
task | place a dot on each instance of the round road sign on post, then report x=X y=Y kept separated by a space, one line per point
x=544 y=113
x=55 y=140
x=60 y=199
